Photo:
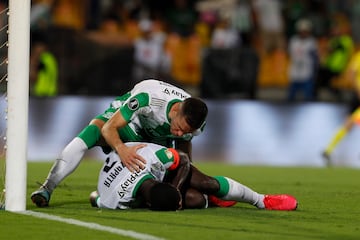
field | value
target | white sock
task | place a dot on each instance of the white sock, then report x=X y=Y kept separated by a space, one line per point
x=206 y=200
x=68 y=161
x=240 y=193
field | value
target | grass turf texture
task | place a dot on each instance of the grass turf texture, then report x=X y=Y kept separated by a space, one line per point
x=329 y=208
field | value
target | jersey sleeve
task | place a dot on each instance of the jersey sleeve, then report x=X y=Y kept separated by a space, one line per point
x=136 y=103
x=169 y=157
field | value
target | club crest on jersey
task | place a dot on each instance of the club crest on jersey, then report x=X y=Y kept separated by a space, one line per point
x=133 y=104
x=169 y=154
x=155 y=167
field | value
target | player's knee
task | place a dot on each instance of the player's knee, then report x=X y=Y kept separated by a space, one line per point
x=209 y=185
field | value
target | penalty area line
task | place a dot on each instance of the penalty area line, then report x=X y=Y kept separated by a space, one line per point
x=92 y=226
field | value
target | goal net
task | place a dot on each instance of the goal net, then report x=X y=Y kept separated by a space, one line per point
x=3 y=85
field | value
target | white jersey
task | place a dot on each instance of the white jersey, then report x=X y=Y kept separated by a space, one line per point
x=149 y=52
x=146 y=108
x=302 y=60
x=117 y=186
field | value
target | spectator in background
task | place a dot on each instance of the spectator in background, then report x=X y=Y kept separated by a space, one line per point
x=354 y=118
x=270 y=23
x=339 y=52
x=181 y=18
x=151 y=60
x=69 y=14
x=110 y=31
x=355 y=21
x=183 y=45
x=40 y=15
x=43 y=68
x=294 y=10
x=303 y=55
x=242 y=17
x=230 y=72
x=319 y=18
x=224 y=36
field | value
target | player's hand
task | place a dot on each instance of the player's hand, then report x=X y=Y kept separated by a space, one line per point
x=133 y=161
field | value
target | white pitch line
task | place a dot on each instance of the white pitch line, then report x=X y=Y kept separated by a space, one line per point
x=93 y=226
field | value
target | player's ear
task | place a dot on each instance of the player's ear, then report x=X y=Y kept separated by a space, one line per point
x=200 y=129
x=177 y=107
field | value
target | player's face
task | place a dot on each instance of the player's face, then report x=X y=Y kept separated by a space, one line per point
x=179 y=126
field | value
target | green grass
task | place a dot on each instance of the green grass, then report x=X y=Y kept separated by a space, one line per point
x=329 y=208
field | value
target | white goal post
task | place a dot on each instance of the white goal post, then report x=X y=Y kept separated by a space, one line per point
x=18 y=100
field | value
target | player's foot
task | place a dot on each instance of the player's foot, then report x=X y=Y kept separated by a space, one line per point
x=327 y=159
x=41 y=197
x=93 y=198
x=215 y=201
x=280 y=202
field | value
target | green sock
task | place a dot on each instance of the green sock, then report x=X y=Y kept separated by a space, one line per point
x=235 y=191
x=90 y=135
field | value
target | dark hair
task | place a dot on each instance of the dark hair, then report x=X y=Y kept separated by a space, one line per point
x=164 y=197
x=195 y=112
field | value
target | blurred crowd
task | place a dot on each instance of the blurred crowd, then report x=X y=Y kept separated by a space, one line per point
x=218 y=48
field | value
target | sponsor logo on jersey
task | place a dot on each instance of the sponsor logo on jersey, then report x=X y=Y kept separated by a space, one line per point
x=112 y=176
x=174 y=92
x=166 y=91
x=133 y=104
x=108 y=115
x=117 y=104
x=124 y=185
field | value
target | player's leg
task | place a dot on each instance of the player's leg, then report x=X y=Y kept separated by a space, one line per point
x=224 y=188
x=293 y=88
x=228 y=189
x=231 y=190
x=68 y=161
x=308 y=89
x=73 y=153
x=340 y=134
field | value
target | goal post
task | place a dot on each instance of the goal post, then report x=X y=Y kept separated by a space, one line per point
x=18 y=101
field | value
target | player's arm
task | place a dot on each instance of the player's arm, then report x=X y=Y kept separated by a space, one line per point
x=182 y=170
x=185 y=146
x=128 y=155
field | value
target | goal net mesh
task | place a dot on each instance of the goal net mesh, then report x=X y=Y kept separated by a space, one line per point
x=3 y=90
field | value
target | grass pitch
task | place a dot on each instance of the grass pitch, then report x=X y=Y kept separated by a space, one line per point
x=328 y=208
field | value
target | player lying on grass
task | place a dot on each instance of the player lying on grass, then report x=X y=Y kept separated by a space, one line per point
x=118 y=188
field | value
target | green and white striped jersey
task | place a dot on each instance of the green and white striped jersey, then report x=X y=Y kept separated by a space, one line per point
x=117 y=186
x=146 y=108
